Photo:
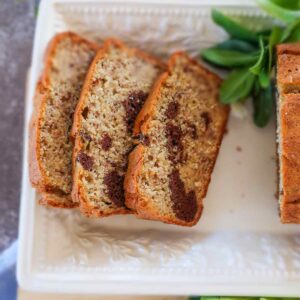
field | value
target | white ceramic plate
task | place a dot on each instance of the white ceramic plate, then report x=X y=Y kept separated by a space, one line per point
x=239 y=246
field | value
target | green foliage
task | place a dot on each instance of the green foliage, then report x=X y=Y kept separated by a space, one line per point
x=237 y=45
x=250 y=56
x=237 y=86
x=234 y=29
x=229 y=58
x=263 y=104
x=284 y=10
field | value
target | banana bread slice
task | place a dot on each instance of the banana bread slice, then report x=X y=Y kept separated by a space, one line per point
x=67 y=60
x=181 y=127
x=288 y=131
x=116 y=87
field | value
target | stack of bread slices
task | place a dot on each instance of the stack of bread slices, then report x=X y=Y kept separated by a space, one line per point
x=117 y=131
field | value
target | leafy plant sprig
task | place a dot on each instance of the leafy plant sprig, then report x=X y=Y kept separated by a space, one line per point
x=250 y=56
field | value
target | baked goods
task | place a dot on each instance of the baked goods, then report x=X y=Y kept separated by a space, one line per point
x=288 y=131
x=180 y=129
x=116 y=87
x=67 y=60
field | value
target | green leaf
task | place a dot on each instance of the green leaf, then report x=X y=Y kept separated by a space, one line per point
x=263 y=104
x=289 y=4
x=238 y=298
x=284 y=14
x=276 y=35
x=237 y=45
x=291 y=32
x=264 y=78
x=295 y=36
x=275 y=38
x=271 y=298
x=237 y=86
x=228 y=58
x=261 y=68
x=259 y=65
x=265 y=32
x=234 y=29
x=288 y=31
x=256 y=87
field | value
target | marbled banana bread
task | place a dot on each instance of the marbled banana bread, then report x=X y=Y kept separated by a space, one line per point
x=116 y=87
x=67 y=60
x=180 y=128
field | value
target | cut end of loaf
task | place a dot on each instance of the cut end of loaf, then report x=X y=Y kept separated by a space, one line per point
x=288 y=131
x=183 y=123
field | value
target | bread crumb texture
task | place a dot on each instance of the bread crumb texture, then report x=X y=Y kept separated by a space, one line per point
x=118 y=87
x=184 y=134
x=68 y=66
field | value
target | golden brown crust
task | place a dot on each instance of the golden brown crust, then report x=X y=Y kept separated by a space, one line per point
x=288 y=81
x=130 y=183
x=293 y=48
x=37 y=175
x=288 y=62
x=77 y=189
x=53 y=200
x=138 y=202
x=290 y=213
x=290 y=158
x=133 y=197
